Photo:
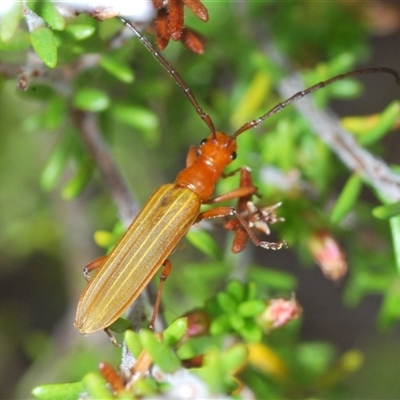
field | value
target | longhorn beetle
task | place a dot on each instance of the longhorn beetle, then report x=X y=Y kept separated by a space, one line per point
x=170 y=212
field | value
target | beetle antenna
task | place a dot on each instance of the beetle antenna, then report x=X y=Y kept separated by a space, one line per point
x=174 y=73
x=302 y=93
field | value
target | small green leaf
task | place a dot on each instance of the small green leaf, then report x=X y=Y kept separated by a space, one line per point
x=251 y=331
x=389 y=314
x=104 y=238
x=65 y=391
x=117 y=68
x=226 y=302
x=56 y=163
x=120 y=325
x=212 y=372
x=271 y=278
x=220 y=325
x=251 y=308
x=80 y=32
x=9 y=22
x=236 y=321
x=236 y=290
x=174 y=333
x=44 y=45
x=89 y=99
x=162 y=355
x=386 y=121
x=387 y=211
x=204 y=242
x=96 y=387
x=132 y=340
x=81 y=178
x=55 y=113
x=234 y=358
x=395 y=229
x=347 y=199
x=138 y=118
x=52 y=16
x=346 y=88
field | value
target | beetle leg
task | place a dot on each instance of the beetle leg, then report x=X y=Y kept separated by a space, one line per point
x=112 y=337
x=243 y=193
x=234 y=194
x=254 y=238
x=95 y=264
x=167 y=267
x=247 y=214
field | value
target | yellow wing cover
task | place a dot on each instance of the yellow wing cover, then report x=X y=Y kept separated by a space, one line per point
x=147 y=243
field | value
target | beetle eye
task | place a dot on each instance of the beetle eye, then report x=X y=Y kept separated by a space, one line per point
x=203 y=142
x=233 y=155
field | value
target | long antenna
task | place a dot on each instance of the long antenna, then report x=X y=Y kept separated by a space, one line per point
x=279 y=107
x=160 y=58
x=302 y=93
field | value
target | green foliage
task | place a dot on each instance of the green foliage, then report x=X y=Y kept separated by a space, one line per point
x=148 y=125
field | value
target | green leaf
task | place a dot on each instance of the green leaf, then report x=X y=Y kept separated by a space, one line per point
x=347 y=199
x=395 y=229
x=81 y=178
x=387 y=120
x=387 y=211
x=52 y=16
x=251 y=332
x=220 y=325
x=346 y=88
x=236 y=290
x=204 y=242
x=271 y=278
x=80 y=32
x=162 y=355
x=236 y=321
x=44 y=45
x=55 y=113
x=174 y=333
x=56 y=162
x=251 y=308
x=212 y=371
x=226 y=302
x=120 y=325
x=9 y=22
x=389 y=314
x=88 y=99
x=234 y=358
x=65 y=391
x=132 y=340
x=96 y=387
x=138 y=118
x=120 y=70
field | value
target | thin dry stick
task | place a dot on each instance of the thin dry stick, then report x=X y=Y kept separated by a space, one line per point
x=89 y=130
x=327 y=126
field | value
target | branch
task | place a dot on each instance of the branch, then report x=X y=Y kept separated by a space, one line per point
x=88 y=127
x=327 y=126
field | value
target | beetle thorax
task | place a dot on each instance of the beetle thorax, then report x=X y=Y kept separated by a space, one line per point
x=214 y=154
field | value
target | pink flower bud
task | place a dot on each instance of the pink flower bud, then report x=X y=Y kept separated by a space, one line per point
x=328 y=255
x=279 y=312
